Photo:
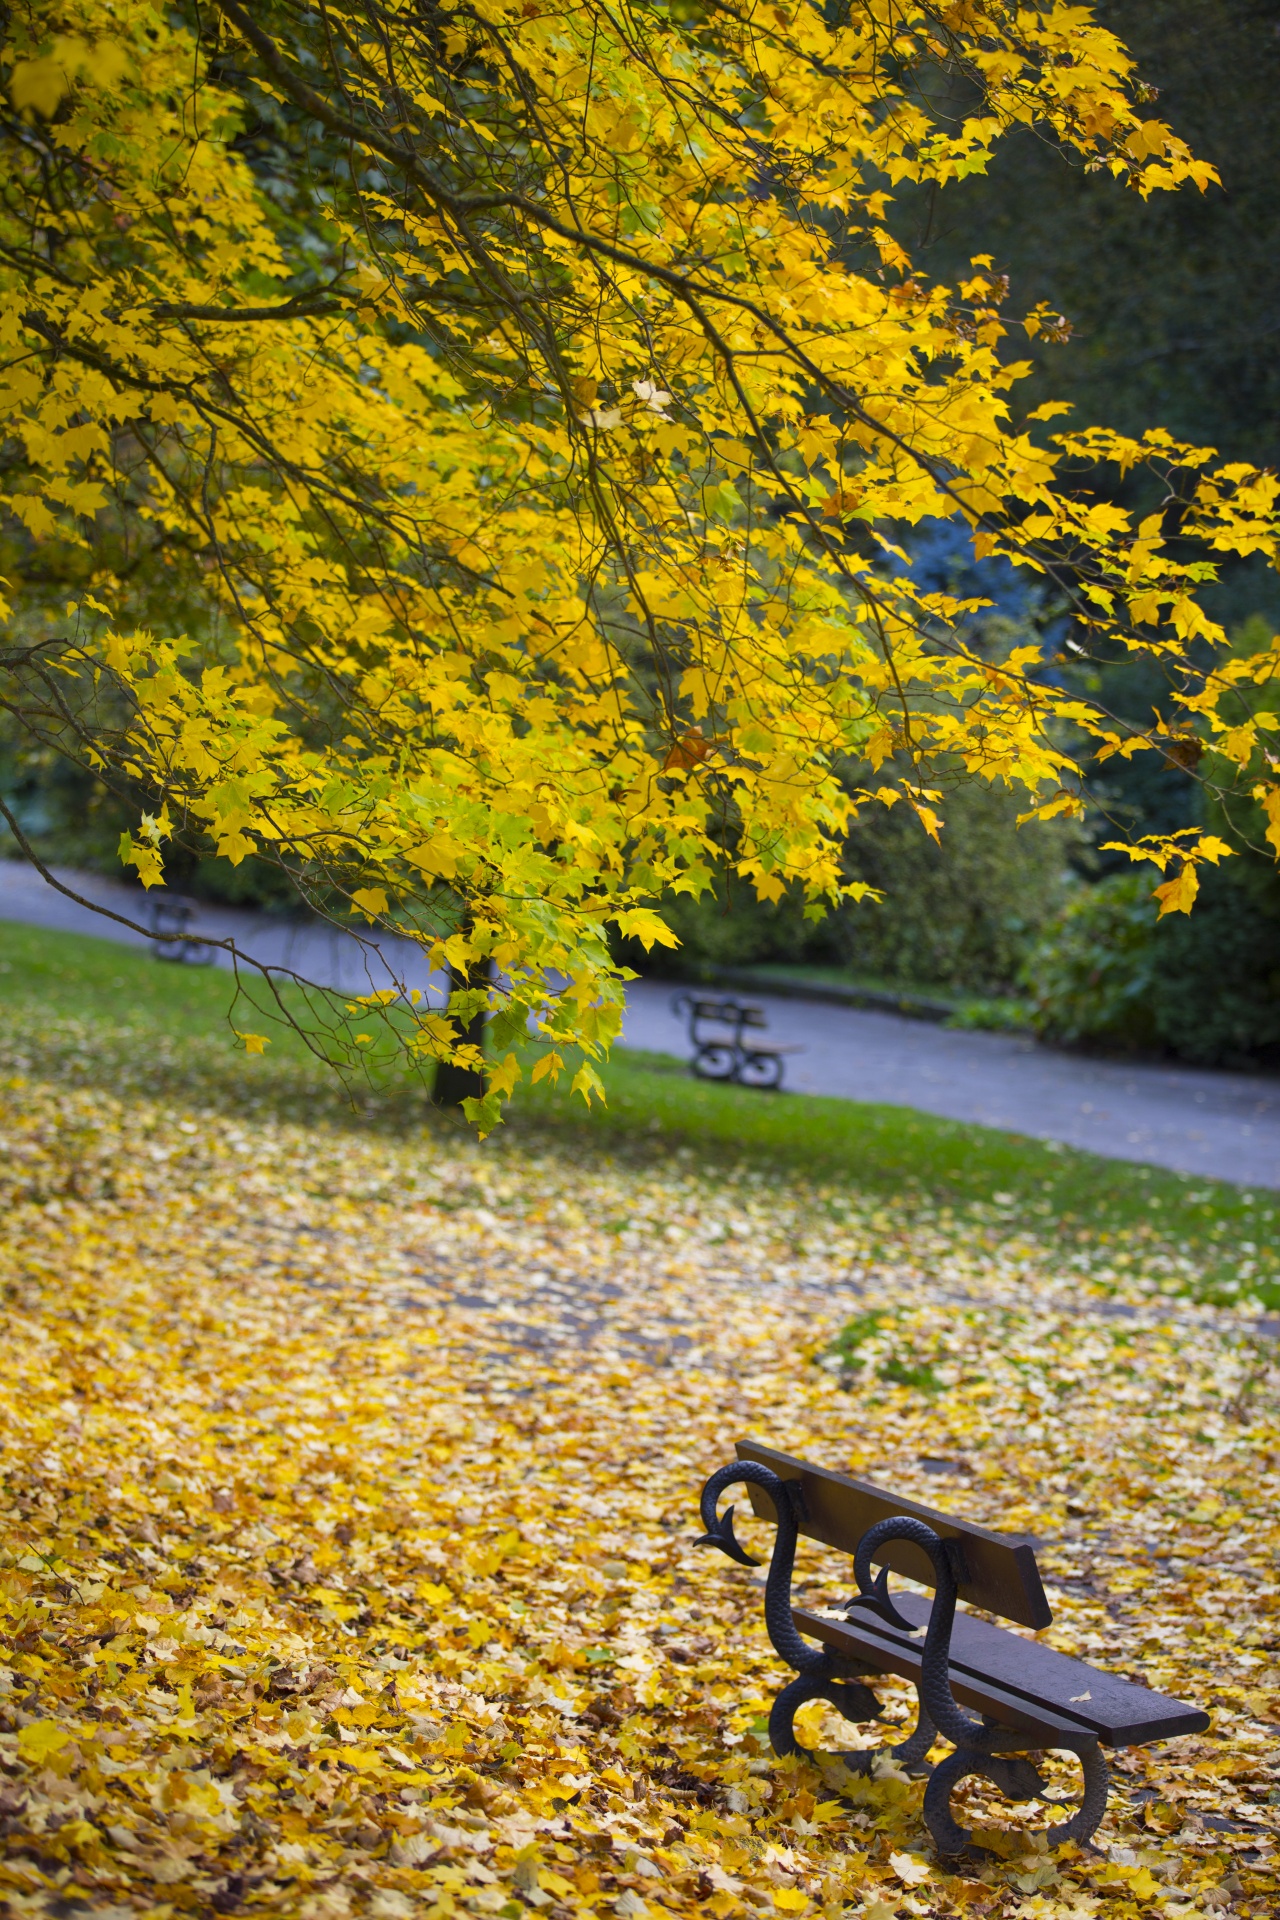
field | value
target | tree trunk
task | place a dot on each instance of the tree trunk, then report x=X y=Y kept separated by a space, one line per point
x=456 y=1084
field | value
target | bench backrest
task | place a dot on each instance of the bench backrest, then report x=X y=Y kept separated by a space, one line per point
x=170 y=912
x=731 y=1013
x=1002 y=1573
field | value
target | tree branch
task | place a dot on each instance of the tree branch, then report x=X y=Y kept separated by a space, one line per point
x=304 y=307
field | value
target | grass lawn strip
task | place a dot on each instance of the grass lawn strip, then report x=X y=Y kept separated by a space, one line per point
x=348 y=1493
x=91 y=1012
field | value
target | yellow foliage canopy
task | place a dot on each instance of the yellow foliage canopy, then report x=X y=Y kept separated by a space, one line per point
x=457 y=455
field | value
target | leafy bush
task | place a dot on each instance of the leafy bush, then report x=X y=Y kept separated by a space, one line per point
x=1093 y=977
x=1204 y=987
x=729 y=927
x=962 y=915
x=1217 y=1000
x=72 y=818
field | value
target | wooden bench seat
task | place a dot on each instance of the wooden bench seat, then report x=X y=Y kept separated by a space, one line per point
x=991 y=1669
x=1029 y=1697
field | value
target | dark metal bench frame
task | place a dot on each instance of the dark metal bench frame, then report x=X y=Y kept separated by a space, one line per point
x=170 y=916
x=1030 y=1698
x=728 y=1056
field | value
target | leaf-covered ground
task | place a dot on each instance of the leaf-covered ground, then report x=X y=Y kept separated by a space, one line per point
x=348 y=1495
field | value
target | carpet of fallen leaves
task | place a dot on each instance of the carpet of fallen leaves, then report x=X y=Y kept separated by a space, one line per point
x=349 y=1484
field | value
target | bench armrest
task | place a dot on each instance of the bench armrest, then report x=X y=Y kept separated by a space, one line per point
x=785 y=1494
x=934 y=1686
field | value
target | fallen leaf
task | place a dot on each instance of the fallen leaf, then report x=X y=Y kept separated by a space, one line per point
x=909 y=1868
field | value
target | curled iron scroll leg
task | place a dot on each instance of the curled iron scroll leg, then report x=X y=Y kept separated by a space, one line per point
x=911 y=1753
x=1018 y=1779
x=914 y=1750
x=856 y=1703
x=721 y=1534
x=794 y=1695
x=848 y=1697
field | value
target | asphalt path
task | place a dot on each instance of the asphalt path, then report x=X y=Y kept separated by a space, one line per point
x=296 y=943
x=1223 y=1126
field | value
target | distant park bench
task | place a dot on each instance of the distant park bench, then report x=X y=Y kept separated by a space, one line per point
x=730 y=1050
x=1029 y=1697
x=171 y=915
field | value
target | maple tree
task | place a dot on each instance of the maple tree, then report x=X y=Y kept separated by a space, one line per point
x=458 y=454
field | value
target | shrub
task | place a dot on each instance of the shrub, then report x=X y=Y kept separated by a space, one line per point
x=1092 y=978
x=1217 y=1001
x=1204 y=988
x=963 y=914
x=729 y=927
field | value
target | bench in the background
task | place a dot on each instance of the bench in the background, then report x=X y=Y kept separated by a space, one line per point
x=731 y=1049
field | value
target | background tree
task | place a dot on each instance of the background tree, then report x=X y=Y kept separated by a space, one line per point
x=1172 y=309
x=1172 y=303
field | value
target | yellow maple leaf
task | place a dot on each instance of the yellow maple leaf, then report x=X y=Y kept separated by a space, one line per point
x=909 y=1868
x=1179 y=894
x=371 y=901
x=40 y=1738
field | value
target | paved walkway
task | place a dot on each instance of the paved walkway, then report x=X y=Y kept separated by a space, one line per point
x=1223 y=1126
x=318 y=952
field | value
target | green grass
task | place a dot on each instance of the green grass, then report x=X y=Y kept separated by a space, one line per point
x=67 y=974
x=978 y=1173
x=93 y=1010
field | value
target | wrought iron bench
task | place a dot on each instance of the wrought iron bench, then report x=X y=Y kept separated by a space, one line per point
x=725 y=1054
x=171 y=915
x=1029 y=1697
